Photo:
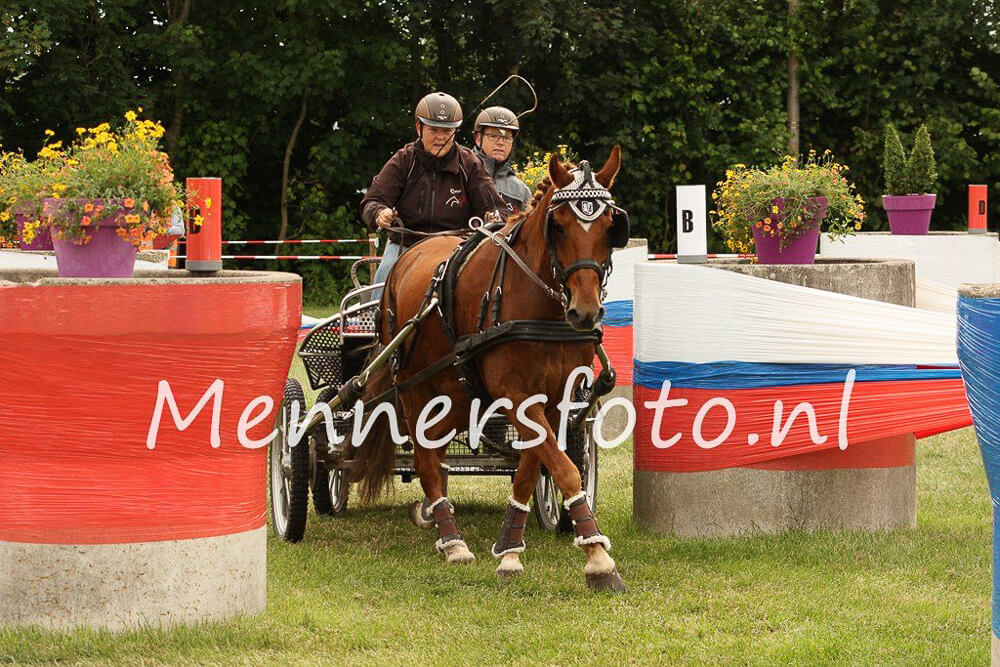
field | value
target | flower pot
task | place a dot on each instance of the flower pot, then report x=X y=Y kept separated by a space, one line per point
x=105 y=254
x=909 y=214
x=798 y=250
x=23 y=214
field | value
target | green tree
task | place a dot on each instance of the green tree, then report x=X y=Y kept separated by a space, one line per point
x=894 y=162
x=921 y=172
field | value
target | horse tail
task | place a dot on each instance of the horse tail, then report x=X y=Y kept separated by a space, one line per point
x=375 y=458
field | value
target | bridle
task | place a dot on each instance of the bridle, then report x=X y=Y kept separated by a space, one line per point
x=588 y=200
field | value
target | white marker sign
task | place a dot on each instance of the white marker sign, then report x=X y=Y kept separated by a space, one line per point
x=692 y=231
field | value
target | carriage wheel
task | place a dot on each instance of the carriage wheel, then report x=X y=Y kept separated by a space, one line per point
x=291 y=470
x=548 y=509
x=330 y=490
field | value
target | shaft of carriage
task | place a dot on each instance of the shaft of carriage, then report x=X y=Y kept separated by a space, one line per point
x=354 y=388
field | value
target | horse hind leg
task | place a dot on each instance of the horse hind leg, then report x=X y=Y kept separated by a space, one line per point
x=450 y=542
x=420 y=511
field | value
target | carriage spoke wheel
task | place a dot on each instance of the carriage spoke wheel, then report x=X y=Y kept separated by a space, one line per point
x=330 y=489
x=548 y=508
x=291 y=471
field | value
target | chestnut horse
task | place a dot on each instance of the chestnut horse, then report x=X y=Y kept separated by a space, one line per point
x=573 y=217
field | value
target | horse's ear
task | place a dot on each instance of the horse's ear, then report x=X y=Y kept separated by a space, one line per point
x=558 y=173
x=606 y=176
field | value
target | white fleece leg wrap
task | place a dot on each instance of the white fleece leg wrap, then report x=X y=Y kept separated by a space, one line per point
x=520 y=506
x=570 y=501
x=442 y=499
x=512 y=550
x=593 y=539
x=442 y=546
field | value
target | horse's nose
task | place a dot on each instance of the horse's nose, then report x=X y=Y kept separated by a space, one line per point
x=582 y=321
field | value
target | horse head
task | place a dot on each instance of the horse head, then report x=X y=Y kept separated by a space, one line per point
x=582 y=227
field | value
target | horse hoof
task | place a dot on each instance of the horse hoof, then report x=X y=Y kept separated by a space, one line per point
x=417 y=516
x=606 y=581
x=509 y=572
x=509 y=567
x=458 y=555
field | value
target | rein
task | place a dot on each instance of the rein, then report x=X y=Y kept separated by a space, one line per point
x=499 y=241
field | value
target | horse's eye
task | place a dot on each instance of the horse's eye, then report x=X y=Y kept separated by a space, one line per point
x=559 y=230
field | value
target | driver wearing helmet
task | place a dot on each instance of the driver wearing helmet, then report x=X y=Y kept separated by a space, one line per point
x=495 y=132
x=429 y=185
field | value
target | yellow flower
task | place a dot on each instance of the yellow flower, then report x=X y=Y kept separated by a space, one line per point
x=132 y=219
x=49 y=133
x=130 y=116
x=208 y=202
x=80 y=130
x=774 y=209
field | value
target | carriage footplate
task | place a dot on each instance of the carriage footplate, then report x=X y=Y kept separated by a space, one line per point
x=584 y=523
x=444 y=519
x=511 y=537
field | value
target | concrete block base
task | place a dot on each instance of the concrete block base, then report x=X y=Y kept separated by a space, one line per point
x=741 y=501
x=616 y=419
x=125 y=586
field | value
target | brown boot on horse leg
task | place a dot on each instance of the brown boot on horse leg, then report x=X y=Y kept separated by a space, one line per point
x=432 y=477
x=510 y=541
x=420 y=511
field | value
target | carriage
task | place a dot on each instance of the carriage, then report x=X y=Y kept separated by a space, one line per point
x=334 y=352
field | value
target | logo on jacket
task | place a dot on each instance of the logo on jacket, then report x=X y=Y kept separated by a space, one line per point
x=456 y=199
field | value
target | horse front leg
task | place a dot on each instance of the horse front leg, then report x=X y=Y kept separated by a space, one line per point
x=450 y=541
x=510 y=541
x=600 y=570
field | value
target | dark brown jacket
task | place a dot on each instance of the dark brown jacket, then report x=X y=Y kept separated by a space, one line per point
x=431 y=194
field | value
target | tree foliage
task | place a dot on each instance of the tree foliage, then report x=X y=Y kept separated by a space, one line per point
x=688 y=87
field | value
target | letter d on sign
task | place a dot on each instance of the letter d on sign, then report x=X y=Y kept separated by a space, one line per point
x=692 y=230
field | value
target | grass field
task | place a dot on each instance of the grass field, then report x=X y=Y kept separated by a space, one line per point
x=369 y=589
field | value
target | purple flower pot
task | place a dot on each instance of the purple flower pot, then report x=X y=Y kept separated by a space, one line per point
x=909 y=214
x=105 y=255
x=799 y=250
x=42 y=239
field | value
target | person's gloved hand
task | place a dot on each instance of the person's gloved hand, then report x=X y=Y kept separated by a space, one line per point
x=385 y=217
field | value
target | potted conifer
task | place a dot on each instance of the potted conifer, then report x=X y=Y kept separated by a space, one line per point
x=908 y=201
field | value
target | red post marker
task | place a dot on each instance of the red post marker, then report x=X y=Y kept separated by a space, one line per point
x=204 y=225
x=977 y=209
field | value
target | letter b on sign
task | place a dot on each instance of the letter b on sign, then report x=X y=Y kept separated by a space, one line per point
x=687 y=221
x=692 y=227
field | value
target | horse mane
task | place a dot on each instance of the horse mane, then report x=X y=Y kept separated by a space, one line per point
x=540 y=189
